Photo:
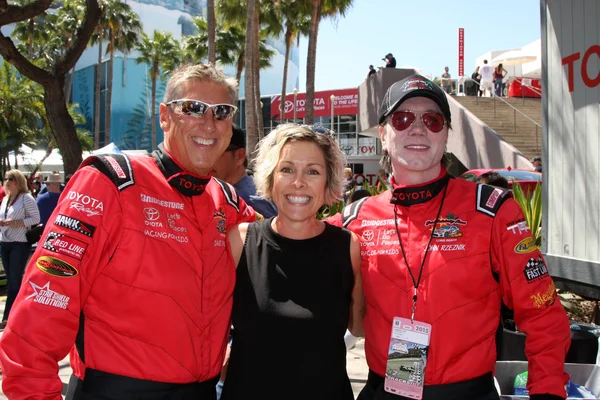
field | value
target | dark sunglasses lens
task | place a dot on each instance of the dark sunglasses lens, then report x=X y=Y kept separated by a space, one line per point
x=433 y=121
x=223 y=111
x=402 y=120
x=195 y=108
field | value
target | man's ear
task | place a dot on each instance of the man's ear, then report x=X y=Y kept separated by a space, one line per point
x=165 y=119
x=240 y=156
x=382 y=136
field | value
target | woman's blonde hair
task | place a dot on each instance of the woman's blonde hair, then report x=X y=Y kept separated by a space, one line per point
x=19 y=179
x=269 y=151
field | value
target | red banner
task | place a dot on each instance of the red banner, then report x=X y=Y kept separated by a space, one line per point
x=345 y=103
x=461 y=52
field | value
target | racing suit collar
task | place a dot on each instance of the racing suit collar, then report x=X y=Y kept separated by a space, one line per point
x=185 y=182
x=417 y=194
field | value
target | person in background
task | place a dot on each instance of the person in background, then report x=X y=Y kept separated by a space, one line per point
x=231 y=167
x=36 y=186
x=47 y=201
x=499 y=74
x=390 y=61
x=45 y=188
x=494 y=179
x=486 y=74
x=2 y=192
x=447 y=81
x=17 y=213
x=383 y=182
x=447 y=263
x=371 y=71
x=141 y=296
x=298 y=283
x=537 y=163
x=349 y=183
x=477 y=88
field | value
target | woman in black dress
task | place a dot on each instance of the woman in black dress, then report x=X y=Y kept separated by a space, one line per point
x=298 y=279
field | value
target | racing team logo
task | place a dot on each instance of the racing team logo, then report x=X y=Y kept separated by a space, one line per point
x=368 y=235
x=63 y=244
x=45 y=296
x=151 y=214
x=221 y=220
x=448 y=227
x=55 y=267
x=75 y=225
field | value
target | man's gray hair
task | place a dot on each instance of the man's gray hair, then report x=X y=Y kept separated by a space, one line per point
x=199 y=73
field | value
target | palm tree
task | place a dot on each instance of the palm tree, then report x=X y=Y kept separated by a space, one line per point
x=52 y=77
x=320 y=9
x=249 y=84
x=121 y=26
x=124 y=27
x=212 y=27
x=160 y=52
x=21 y=102
x=297 y=22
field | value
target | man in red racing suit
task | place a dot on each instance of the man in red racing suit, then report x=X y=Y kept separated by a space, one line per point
x=465 y=247
x=132 y=275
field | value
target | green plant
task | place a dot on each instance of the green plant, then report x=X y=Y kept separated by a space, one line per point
x=329 y=211
x=532 y=209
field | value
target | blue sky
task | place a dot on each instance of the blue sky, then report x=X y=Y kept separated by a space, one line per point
x=420 y=33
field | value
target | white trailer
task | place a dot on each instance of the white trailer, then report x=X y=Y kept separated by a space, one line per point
x=571 y=142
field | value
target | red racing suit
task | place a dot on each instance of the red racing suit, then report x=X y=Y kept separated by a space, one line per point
x=133 y=268
x=481 y=252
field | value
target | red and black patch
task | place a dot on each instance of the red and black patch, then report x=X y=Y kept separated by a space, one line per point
x=63 y=244
x=75 y=225
x=56 y=267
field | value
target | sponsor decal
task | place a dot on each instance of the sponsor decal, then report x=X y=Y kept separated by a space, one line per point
x=187 y=183
x=448 y=247
x=47 y=297
x=417 y=196
x=151 y=215
x=85 y=204
x=221 y=220
x=375 y=252
x=518 y=227
x=56 y=267
x=168 y=204
x=368 y=235
x=447 y=227
x=415 y=84
x=116 y=167
x=63 y=244
x=535 y=269
x=377 y=222
x=525 y=246
x=546 y=298
x=75 y=225
x=165 y=235
x=172 y=222
x=219 y=243
x=493 y=199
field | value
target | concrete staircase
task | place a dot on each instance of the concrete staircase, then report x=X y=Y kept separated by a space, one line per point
x=508 y=123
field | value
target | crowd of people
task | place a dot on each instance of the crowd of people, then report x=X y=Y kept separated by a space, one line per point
x=147 y=261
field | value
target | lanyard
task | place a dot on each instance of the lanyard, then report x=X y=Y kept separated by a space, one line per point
x=416 y=283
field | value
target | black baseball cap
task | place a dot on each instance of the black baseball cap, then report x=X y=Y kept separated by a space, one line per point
x=238 y=138
x=413 y=86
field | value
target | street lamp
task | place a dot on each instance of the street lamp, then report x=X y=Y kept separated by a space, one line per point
x=295 y=96
x=332 y=107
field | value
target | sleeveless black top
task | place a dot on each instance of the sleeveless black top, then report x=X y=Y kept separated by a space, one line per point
x=290 y=312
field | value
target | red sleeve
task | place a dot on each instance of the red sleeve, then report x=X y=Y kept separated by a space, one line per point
x=529 y=290
x=78 y=240
x=335 y=220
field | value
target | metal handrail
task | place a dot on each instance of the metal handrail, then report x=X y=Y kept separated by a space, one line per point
x=515 y=110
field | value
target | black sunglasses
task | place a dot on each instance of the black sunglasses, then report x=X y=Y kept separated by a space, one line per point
x=197 y=108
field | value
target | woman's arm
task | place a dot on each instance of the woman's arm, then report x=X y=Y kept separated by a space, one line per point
x=32 y=213
x=236 y=238
x=357 y=306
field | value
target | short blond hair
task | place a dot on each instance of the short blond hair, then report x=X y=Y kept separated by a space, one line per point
x=19 y=178
x=198 y=73
x=269 y=151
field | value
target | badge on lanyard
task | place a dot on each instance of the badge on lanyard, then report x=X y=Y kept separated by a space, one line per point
x=407 y=358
